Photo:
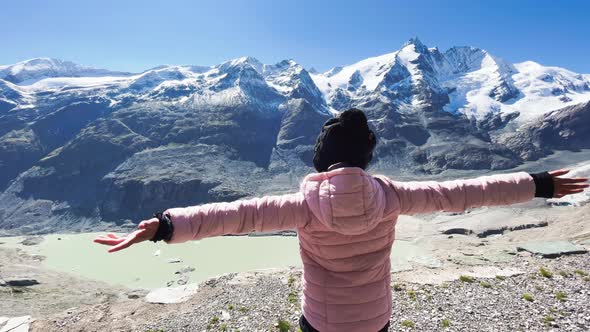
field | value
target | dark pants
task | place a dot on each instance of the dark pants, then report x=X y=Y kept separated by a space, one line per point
x=306 y=327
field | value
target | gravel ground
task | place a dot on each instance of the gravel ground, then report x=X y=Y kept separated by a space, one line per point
x=249 y=305
x=258 y=302
x=498 y=304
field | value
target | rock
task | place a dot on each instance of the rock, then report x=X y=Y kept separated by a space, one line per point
x=485 y=223
x=174 y=260
x=225 y=315
x=136 y=293
x=20 y=282
x=552 y=249
x=186 y=269
x=172 y=294
x=31 y=240
x=245 y=278
x=16 y=324
x=482 y=258
x=211 y=282
x=183 y=280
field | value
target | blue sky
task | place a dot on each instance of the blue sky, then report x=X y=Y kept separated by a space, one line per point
x=135 y=35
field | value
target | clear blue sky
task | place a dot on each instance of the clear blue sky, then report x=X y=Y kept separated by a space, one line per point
x=138 y=34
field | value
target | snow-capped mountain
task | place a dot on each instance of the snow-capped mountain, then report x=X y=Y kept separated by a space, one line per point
x=233 y=82
x=34 y=69
x=79 y=145
x=293 y=81
x=467 y=80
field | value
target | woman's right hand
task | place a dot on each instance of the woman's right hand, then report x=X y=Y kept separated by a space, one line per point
x=146 y=231
x=567 y=186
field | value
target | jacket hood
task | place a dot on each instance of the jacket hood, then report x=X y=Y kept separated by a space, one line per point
x=346 y=200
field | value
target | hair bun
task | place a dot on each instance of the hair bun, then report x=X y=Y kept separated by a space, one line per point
x=354 y=119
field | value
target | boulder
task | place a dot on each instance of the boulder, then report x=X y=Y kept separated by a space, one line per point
x=136 y=293
x=172 y=294
x=552 y=249
x=186 y=269
x=174 y=260
x=20 y=282
x=483 y=223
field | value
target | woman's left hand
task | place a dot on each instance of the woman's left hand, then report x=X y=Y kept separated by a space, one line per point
x=146 y=231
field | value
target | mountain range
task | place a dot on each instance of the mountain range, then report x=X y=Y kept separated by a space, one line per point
x=84 y=148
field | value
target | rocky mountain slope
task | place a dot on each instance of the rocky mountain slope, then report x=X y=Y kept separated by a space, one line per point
x=81 y=146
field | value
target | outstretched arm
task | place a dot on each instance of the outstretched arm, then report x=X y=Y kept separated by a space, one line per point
x=270 y=213
x=458 y=195
x=264 y=214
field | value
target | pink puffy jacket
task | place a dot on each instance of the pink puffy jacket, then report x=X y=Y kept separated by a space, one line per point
x=345 y=221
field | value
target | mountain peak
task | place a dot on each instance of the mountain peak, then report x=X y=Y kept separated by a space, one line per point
x=242 y=62
x=45 y=60
x=246 y=60
x=416 y=42
x=43 y=63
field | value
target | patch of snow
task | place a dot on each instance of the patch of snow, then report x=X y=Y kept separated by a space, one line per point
x=542 y=89
x=153 y=78
x=407 y=56
x=471 y=94
x=253 y=62
x=57 y=83
x=371 y=71
x=283 y=77
x=547 y=88
x=233 y=96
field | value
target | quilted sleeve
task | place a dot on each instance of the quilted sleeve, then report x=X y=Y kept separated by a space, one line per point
x=421 y=197
x=270 y=213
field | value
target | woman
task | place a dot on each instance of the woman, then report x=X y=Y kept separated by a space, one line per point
x=345 y=220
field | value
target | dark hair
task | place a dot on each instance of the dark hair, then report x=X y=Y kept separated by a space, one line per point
x=346 y=138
